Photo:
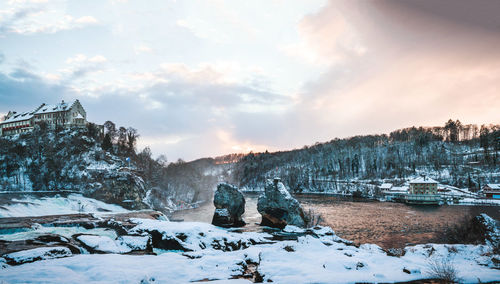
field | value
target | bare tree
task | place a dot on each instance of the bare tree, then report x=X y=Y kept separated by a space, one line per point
x=132 y=136
x=111 y=130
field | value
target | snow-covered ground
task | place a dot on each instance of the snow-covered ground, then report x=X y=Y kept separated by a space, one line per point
x=475 y=201
x=320 y=257
x=66 y=232
x=73 y=203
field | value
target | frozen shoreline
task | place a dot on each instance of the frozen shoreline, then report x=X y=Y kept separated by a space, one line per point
x=207 y=252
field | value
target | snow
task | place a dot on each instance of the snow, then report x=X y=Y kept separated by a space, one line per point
x=196 y=234
x=123 y=244
x=19 y=117
x=320 y=257
x=66 y=232
x=103 y=244
x=483 y=201
x=37 y=254
x=53 y=108
x=493 y=231
x=386 y=186
x=73 y=203
x=494 y=186
x=134 y=242
x=310 y=261
x=423 y=180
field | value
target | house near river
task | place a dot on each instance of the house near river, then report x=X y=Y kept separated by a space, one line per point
x=423 y=190
x=492 y=191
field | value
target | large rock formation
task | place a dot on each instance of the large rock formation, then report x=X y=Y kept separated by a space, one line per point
x=278 y=208
x=229 y=206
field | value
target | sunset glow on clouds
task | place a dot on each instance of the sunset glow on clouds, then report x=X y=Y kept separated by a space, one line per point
x=206 y=78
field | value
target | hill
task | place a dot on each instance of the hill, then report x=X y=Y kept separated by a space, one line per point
x=455 y=154
x=98 y=166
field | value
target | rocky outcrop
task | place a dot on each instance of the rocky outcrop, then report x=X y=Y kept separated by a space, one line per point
x=489 y=228
x=278 y=208
x=41 y=253
x=124 y=187
x=229 y=206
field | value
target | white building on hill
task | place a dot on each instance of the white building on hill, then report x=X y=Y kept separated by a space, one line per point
x=61 y=114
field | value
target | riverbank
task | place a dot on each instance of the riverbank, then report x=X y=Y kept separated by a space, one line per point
x=111 y=244
x=155 y=251
x=387 y=224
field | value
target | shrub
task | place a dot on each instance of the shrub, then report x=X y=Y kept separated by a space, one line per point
x=444 y=270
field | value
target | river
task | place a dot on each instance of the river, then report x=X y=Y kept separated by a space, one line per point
x=387 y=224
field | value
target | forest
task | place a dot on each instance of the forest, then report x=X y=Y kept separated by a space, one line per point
x=455 y=154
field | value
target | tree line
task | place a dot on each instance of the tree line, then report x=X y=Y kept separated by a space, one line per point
x=457 y=154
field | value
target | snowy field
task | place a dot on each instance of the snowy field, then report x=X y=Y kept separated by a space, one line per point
x=56 y=205
x=321 y=257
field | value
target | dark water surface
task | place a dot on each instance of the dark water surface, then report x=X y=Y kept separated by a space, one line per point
x=383 y=223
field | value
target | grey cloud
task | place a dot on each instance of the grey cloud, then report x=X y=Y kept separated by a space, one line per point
x=22 y=90
x=480 y=14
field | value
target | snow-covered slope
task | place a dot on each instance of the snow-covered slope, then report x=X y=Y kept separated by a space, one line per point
x=56 y=205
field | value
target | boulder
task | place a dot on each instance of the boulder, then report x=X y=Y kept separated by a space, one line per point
x=278 y=208
x=229 y=206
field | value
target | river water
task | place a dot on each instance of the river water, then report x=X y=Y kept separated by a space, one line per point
x=387 y=224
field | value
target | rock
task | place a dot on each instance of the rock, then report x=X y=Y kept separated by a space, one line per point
x=35 y=254
x=489 y=229
x=278 y=208
x=222 y=218
x=101 y=244
x=397 y=252
x=229 y=206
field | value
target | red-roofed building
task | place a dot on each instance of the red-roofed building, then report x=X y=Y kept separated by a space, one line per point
x=492 y=190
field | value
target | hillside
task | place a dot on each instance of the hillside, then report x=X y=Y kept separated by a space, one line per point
x=456 y=154
x=85 y=161
x=459 y=155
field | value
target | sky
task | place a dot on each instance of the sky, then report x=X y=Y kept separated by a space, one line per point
x=207 y=78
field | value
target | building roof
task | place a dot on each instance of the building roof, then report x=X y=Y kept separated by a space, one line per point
x=386 y=186
x=19 y=117
x=494 y=186
x=62 y=106
x=396 y=190
x=423 y=180
x=399 y=188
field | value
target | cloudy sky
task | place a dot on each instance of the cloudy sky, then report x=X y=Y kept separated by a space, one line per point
x=206 y=78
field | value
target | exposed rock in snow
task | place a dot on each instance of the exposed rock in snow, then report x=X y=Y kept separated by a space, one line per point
x=278 y=208
x=306 y=260
x=31 y=255
x=491 y=231
x=193 y=236
x=229 y=206
x=136 y=242
x=222 y=218
x=209 y=253
x=102 y=244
